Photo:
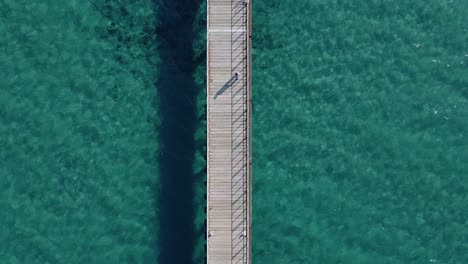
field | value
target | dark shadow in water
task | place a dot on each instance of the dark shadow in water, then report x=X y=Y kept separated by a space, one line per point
x=177 y=93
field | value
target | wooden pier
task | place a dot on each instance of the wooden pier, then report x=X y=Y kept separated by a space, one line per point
x=229 y=132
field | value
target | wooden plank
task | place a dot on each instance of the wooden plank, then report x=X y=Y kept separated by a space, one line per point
x=229 y=131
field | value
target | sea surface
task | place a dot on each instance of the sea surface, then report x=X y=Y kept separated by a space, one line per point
x=360 y=129
x=360 y=132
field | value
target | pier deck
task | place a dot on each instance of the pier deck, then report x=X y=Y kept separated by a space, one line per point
x=229 y=132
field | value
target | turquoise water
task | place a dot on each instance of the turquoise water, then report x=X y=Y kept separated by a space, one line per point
x=360 y=132
x=360 y=125
x=79 y=138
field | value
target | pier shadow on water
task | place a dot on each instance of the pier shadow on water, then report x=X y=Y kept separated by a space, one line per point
x=177 y=92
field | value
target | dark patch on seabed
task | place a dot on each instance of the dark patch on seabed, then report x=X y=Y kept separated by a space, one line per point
x=177 y=92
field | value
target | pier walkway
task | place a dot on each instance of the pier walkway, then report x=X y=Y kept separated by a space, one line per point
x=229 y=132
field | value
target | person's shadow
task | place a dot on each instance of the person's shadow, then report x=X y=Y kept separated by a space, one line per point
x=226 y=86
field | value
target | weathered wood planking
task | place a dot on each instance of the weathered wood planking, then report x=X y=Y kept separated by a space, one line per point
x=229 y=132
